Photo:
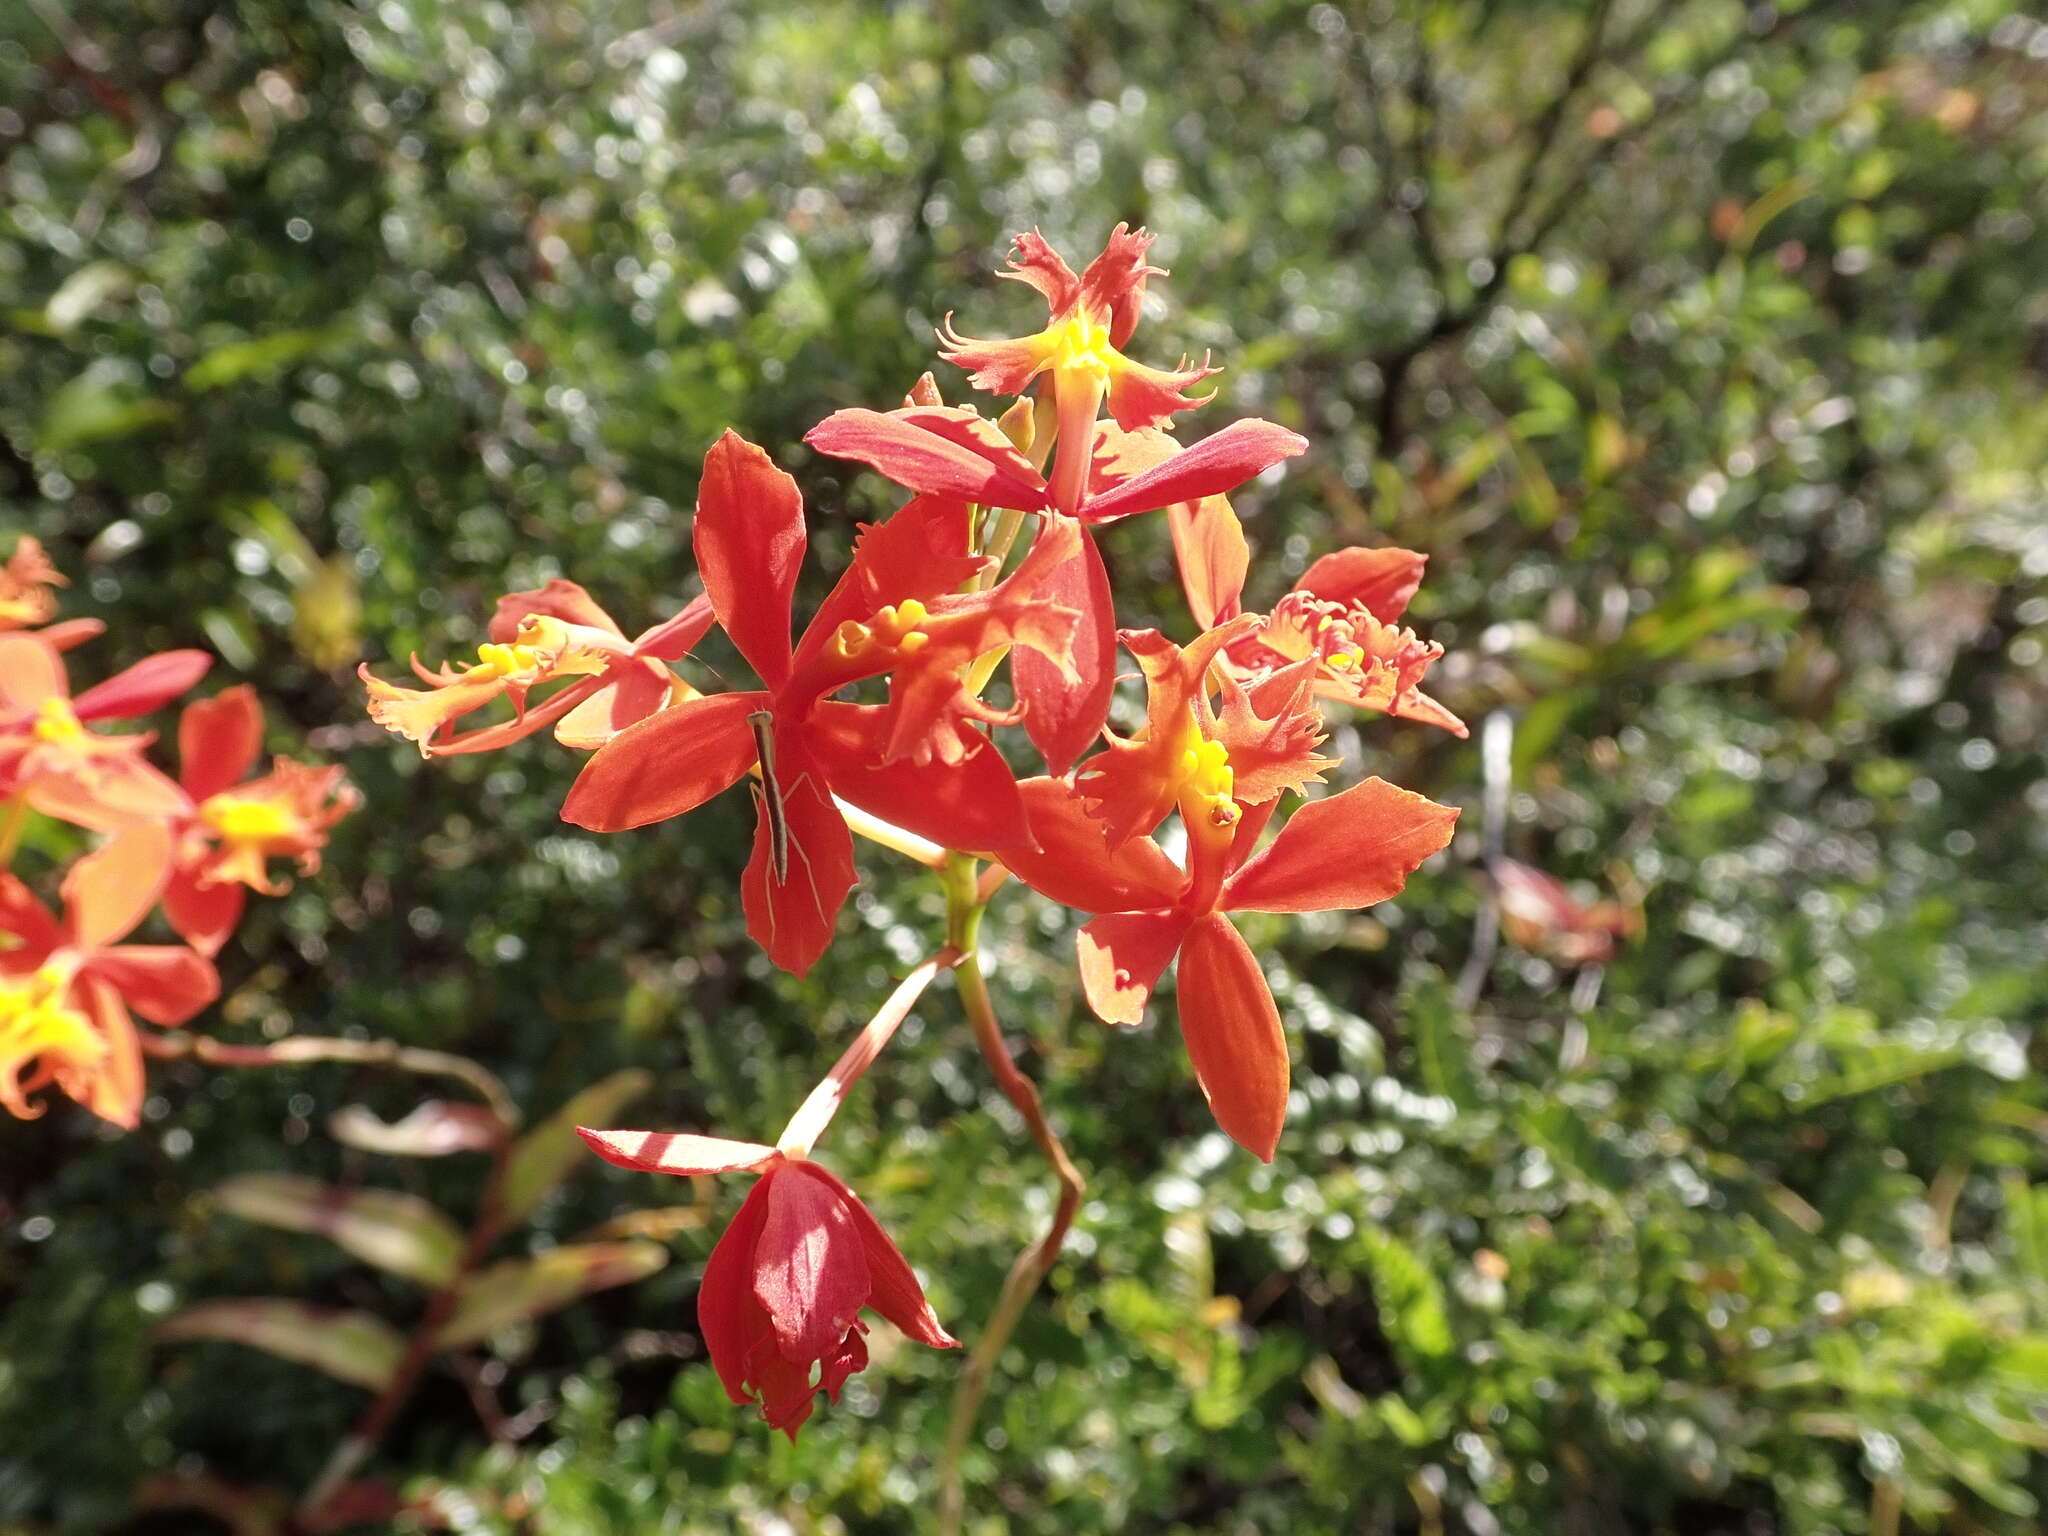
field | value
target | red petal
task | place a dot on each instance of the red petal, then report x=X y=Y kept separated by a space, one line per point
x=1379 y=580
x=1071 y=861
x=937 y=452
x=970 y=804
x=1233 y=1035
x=1208 y=544
x=894 y=1291
x=165 y=983
x=637 y=689
x=33 y=932
x=204 y=916
x=793 y=919
x=727 y=1313
x=673 y=639
x=810 y=1268
x=1218 y=463
x=1063 y=714
x=1148 y=397
x=148 y=685
x=1122 y=958
x=676 y=1151
x=920 y=553
x=559 y=599
x=70 y=633
x=749 y=538
x=997 y=366
x=108 y=892
x=667 y=764
x=1035 y=262
x=1349 y=850
x=1114 y=282
x=219 y=740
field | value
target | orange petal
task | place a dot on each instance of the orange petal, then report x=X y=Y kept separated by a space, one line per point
x=749 y=539
x=108 y=892
x=1232 y=1030
x=1349 y=850
x=1122 y=957
x=667 y=764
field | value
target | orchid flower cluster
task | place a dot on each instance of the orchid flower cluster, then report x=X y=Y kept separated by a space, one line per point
x=934 y=602
x=195 y=844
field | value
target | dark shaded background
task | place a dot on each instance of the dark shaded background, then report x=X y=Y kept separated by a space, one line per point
x=1701 y=345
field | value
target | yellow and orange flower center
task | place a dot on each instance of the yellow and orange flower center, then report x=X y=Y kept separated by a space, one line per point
x=896 y=630
x=240 y=819
x=540 y=649
x=1207 y=783
x=1347 y=639
x=34 y=1021
x=1079 y=345
x=56 y=724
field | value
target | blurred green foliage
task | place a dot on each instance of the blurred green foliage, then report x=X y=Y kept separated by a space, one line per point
x=1702 y=346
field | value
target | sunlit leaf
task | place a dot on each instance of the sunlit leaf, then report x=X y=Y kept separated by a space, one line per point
x=355 y=1347
x=393 y=1231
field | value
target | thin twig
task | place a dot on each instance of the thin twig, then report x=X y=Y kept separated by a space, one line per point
x=1036 y=1261
x=356 y=1446
x=296 y=1050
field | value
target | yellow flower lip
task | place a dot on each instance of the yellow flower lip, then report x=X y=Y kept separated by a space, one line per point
x=55 y=723
x=34 y=1021
x=897 y=628
x=1080 y=345
x=241 y=820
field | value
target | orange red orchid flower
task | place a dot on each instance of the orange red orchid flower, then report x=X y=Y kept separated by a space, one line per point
x=50 y=758
x=67 y=987
x=879 y=717
x=895 y=611
x=236 y=828
x=555 y=633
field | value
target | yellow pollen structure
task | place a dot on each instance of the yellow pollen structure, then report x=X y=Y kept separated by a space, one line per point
x=1080 y=345
x=56 y=724
x=895 y=628
x=1209 y=782
x=505 y=660
x=239 y=820
x=34 y=1022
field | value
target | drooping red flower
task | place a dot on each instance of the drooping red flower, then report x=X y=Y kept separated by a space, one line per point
x=555 y=633
x=914 y=761
x=783 y=1292
x=63 y=769
x=225 y=847
x=66 y=987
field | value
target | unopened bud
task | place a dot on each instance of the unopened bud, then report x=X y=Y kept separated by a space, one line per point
x=1019 y=425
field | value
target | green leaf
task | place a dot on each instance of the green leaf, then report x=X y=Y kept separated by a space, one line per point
x=99 y=404
x=1441 y=1055
x=1411 y=1302
x=354 y=1347
x=400 y=1233
x=259 y=356
x=519 y=1289
x=550 y=1152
